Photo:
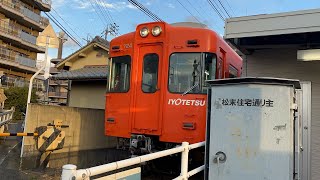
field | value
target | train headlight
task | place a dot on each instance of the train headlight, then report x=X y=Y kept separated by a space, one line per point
x=144 y=32
x=156 y=31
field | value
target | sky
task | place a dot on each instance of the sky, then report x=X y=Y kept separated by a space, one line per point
x=85 y=19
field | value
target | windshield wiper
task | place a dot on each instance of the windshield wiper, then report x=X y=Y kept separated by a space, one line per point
x=190 y=89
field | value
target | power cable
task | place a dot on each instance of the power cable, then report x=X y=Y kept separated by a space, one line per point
x=66 y=23
x=219 y=8
x=105 y=10
x=215 y=9
x=145 y=10
x=230 y=7
x=95 y=10
x=224 y=8
x=189 y=12
x=101 y=10
x=57 y=23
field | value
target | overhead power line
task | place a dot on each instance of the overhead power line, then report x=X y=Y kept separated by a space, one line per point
x=225 y=10
x=108 y=15
x=105 y=10
x=219 y=8
x=99 y=11
x=57 y=23
x=189 y=12
x=204 y=15
x=216 y=10
x=230 y=7
x=96 y=11
x=145 y=10
x=66 y=23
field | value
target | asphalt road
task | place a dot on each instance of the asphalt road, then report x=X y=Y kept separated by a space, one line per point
x=10 y=160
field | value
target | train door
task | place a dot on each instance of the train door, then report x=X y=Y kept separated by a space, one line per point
x=148 y=90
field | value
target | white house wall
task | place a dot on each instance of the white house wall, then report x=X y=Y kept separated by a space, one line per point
x=283 y=63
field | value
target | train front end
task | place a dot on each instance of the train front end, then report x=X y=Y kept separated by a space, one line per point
x=156 y=94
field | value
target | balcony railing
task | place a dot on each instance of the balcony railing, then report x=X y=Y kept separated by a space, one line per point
x=18 y=6
x=10 y=29
x=10 y=4
x=12 y=56
x=25 y=61
x=58 y=94
x=28 y=37
x=31 y=15
x=44 y=21
x=49 y=2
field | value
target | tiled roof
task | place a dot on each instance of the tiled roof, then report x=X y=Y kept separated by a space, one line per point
x=85 y=73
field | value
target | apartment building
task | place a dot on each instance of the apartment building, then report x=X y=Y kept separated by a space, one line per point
x=20 y=24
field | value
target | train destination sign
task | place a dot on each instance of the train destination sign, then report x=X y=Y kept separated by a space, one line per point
x=247 y=102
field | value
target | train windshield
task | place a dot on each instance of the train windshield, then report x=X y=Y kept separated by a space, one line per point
x=189 y=71
x=120 y=74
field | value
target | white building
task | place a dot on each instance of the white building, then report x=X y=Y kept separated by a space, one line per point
x=286 y=45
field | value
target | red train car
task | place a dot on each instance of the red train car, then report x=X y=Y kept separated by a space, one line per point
x=157 y=92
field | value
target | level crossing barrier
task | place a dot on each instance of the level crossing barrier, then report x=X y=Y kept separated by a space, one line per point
x=70 y=172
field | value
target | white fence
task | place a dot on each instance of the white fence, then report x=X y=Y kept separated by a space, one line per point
x=70 y=172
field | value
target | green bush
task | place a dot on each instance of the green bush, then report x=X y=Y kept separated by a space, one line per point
x=17 y=97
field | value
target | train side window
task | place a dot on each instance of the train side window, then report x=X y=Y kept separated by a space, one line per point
x=233 y=72
x=209 y=69
x=209 y=66
x=150 y=73
x=120 y=74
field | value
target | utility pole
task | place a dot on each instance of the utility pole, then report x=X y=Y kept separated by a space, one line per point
x=111 y=29
x=62 y=40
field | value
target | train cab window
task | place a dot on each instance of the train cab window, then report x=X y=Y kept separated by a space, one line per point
x=150 y=73
x=233 y=72
x=189 y=71
x=209 y=69
x=120 y=74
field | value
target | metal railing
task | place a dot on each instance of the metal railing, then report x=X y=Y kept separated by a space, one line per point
x=28 y=37
x=49 y=2
x=58 y=94
x=70 y=171
x=11 y=29
x=10 y=4
x=18 y=6
x=25 y=61
x=44 y=21
x=9 y=55
x=30 y=14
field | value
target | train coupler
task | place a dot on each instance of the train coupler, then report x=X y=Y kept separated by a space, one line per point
x=140 y=144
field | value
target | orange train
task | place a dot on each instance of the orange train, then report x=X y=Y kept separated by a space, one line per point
x=156 y=93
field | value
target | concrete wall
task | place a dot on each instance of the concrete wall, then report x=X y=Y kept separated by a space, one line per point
x=88 y=94
x=283 y=63
x=83 y=141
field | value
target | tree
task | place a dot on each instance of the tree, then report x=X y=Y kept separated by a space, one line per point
x=17 y=97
